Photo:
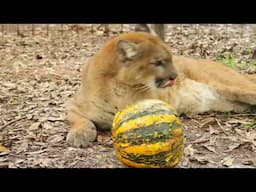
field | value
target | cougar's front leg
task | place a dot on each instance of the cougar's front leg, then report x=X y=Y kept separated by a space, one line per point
x=82 y=130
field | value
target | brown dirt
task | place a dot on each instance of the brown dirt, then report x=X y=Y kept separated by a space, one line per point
x=39 y=73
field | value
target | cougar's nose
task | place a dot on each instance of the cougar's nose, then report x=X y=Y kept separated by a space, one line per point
x=172 y=76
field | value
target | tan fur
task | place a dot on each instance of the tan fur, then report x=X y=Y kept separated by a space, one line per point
x=124 y=71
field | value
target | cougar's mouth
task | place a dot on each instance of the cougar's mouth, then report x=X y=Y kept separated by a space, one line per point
x=163 y=83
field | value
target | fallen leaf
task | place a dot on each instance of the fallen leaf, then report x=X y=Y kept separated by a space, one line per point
x=30 y=136
x=184 y=162
x=227 y=161
x=102 y=139
x=42 y=162
x=242 y=166
x=212 y=140
x=249 y=161
x=99 y=139
x=55 y=119
x=207 y=122
x=189 y=150
x=18 y=161
x=22 y=147
x=213 y=131
x=3 y=159
x=200 y=140
x=4 y=153
x=210 y=148
x=247 y=137
x=9 y=85
x=4 y=165
x=36 y=152
x=221 y=127
x=232 y=147
x=47 y=125
x=29 y=116
x=55 y=139
x=200 y=159
x=3 y=149
x=12 y=165
x=240 y=132
x=34 y=126
x=236 y=121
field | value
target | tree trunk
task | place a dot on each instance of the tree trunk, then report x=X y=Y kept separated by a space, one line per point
x=156 y=29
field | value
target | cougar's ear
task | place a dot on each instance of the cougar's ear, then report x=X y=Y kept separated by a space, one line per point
x=127 y=50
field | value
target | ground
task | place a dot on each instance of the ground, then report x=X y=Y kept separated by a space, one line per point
x=40 y=72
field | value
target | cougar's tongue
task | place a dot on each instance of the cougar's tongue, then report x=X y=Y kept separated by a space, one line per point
x=169 y=83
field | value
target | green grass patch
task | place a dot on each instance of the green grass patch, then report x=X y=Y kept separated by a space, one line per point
x=229 y=61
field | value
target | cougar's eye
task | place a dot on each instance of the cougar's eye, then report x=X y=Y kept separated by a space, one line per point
x=159 y=63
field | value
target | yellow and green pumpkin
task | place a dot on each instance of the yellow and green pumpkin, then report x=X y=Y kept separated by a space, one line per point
x=148 y=134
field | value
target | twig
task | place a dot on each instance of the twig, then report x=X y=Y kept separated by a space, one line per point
x=33 y=30
x=2 y=29
x=202 y=140
x=11 y=122
x=4 y=165
x=61 y=29
x=47 y=29
x=91 y=30
x=221 y=127
x=244 y=114
x=238 y=115
x=121 y=28
x=18 y=29
x=254 y=54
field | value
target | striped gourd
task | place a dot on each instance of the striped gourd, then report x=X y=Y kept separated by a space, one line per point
x=148 y=134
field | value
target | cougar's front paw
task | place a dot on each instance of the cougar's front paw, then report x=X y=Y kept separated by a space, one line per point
x=81 y=137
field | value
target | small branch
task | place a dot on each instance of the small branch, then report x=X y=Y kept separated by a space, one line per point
x=254 y=54
x=221 y=127
x=245 y=114
x=33 y=30
x=47 y=29
x=2 y=29
x=92 y=30
x=61 y=29
x=239 y=115
x=201 y=140
x=11 y=122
